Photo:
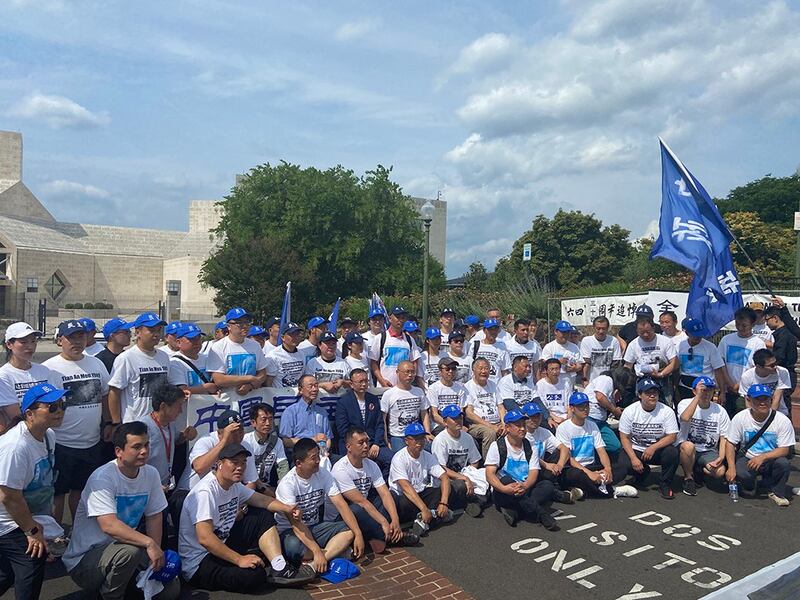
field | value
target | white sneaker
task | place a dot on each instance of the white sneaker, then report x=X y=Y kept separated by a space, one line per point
x=778 y=499
x=576 y=493
x=625 y=491
x=796 y=491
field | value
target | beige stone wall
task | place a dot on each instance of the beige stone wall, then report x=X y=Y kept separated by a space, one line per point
x=10 y=155
x=196 y=303
x=204 y=215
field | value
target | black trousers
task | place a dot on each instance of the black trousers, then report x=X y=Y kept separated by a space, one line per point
x=531 y=503
x=668 y=458
x=217 y=574
x=573 y=477
x=774 y=474
x=18 y=569
x=407 y=510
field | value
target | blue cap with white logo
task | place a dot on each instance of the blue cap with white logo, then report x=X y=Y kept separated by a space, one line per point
x=172 y=327
x=451 y=411
x=376 y=312
x=410 y=326
x=256 y=330
x=188 y=331
x=339 y=570
x=513 y=416
x=705 y=380
x=647 y=383
x=491 y=323
x=414 y=429
x=563 y=326
x=236 y=313
x=71 y=326
x=148 y=319
x=316 y=322
x=759 y=390
x=432 y=333
x=112 y=326
x=328 y=336
x=578 y=398
x=693 y=327
x=530 y=409
x=44 y=393
x=88 y=324
x=171 y=568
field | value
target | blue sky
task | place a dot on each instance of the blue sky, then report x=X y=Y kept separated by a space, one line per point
x=514 y=109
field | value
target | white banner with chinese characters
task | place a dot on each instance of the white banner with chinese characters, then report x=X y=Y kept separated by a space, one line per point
x=620 y=309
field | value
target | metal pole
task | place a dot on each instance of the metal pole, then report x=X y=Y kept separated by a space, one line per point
x=797 y=253
x=424 y=324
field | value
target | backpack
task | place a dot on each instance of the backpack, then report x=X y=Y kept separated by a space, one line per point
x=409 y=341
x=502 y=450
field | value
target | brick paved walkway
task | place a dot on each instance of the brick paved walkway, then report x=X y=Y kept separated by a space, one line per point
x=395 y=575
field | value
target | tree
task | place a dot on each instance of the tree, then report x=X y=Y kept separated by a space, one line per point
x=571 y=249
x=639 y=268
x=476 y=278
x=771 y=246
x=773 y=199
x=349 y=235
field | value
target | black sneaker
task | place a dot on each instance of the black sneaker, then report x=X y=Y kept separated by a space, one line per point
x=666 y=492
x=548 y=522
x=409 y=539
x=563 y=497
x=291 y=576
x=473 y=509
x=510 y=516
x=689 y=487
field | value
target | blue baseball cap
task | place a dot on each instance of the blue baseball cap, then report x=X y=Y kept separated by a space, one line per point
x=759 y=390
x=189 y=331
x=644 y=311
x=339 y=570
x=316 y=322
x=292 y=328
x=112 y=326
x=43 y=392
x=432 y=332
x=148 y=319
x=530 y=409
x=563 y=326
x=171 y=568
x=88 y=324
x=236 y=313
x=471 y=320
x=328 y=336
x=172 y=327
x=447 y=311
x=410 y=326
x=451 y=411
x=490 y=323
x=705 y=380
x=353 y=338
x=693 y=327
x=375 y=312
x=513 y=416
x=70 y=326
x=398 y=310
x=256 y=330
x=414 y=429
x=648 y=383
x=578 y=398
x=220 y=325
x=271 y=322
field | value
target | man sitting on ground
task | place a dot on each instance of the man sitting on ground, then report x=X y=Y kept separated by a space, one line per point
x=553 y=456
x=266 y=446
x=554 y=390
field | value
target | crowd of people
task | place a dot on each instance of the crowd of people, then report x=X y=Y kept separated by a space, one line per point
x=426 y=425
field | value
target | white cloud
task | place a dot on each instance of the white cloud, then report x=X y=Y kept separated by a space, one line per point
x=62 y=187
x=58 y=112
x=353 y=30
x=486 y=52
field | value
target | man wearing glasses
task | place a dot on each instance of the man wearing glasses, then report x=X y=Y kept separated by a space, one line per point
x=697 y=358
x=236 y=363
x=767 y=372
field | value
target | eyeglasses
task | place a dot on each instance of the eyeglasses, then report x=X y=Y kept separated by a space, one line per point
x=242 y=323
x=448 y=368
x=54 y=406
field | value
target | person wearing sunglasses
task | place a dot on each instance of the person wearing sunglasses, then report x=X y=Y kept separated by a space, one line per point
x=27 y=456
x=697 y=357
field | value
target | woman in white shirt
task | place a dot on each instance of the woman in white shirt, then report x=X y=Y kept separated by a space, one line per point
x=353 y=351
x=20 y=372
x=429 y=363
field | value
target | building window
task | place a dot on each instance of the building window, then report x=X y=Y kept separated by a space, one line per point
x=55 y=286
x=32 y=284
x=173 y=287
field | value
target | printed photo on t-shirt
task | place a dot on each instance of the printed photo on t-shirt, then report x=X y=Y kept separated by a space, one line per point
x=240 y=364
x=38 y=494
x=82 y=392
x=130 y=509
x=737 y=355
x=150 y=382
x=395 y=355
x=583 y=448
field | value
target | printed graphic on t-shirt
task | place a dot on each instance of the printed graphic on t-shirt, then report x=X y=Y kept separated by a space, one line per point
x=309 y=504
x=692 y=364
x=516 y=469
x=240 y=364
x=150 y=382
x=82 y=393
x=408 y=409
x=363 y=484
x=602 y=358
x=737 y=355
x=20 y=387
x=291 y=372
x=457 y=459
x=394 y=355
x=445 y=399
x=766 y=443
x=552 y=401
x=131 y=508
x=192 y=378
x=539 y=448
x=703 y=433
x=227 y=516
x=583 y=448
x=38 y=493
x=646 y=434
x=522 y=396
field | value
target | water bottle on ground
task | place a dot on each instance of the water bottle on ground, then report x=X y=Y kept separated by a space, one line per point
x=323 y=449
x=602 y=487
x=733 y=492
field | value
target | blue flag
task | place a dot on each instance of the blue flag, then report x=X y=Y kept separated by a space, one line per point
x=694 y=235
x=334 y=318
x=286 y=311
x=377 y=303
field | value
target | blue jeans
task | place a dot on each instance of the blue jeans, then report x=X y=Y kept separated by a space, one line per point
x=610 y=439
x=294 y=549
x=17 y=568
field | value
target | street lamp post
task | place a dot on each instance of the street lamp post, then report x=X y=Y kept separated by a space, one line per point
x=426 y=212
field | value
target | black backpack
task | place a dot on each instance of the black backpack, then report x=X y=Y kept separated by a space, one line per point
x=502 y=450
x=383 y=343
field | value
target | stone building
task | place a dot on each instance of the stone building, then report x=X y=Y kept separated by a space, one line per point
x=131 y=268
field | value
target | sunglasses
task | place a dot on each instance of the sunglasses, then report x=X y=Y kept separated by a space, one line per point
x=54 y=406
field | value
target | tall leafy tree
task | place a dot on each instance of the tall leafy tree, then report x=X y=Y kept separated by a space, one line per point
x=773 y=199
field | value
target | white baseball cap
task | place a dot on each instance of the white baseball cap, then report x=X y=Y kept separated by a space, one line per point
x=20 y=330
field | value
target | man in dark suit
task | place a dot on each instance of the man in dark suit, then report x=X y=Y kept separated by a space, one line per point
x=359 y=408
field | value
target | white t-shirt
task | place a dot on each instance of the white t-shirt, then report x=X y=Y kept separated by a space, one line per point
x=519 y=392
x=327 y=371
x=15 y=382
x=203 y=445
x=455 y=453
x=264 y=461
x=702 y=359
x=403 y=408
x=309 y=494
x=600 y=354
x=778 y=380
x=496 y=354
x=566 y=350
x=582 y=440
x=646 y=428
x=706 y=426
x=502 y=336
x=531 y=350
x=162 y=447
x=137 y=375
x=285 y=367
x=208 y=501
x=419 y=472
x=182 y=374
x=233 y=358
x=764 y=332
x=357 y=363
x=515 y=466
x=428 y=367
x=439 y=395
x=109 y=492
x=779 y=434
x=94 y=349
x=543 y=440
x=268 y=347
x=737 y=352
x=87 y=379
x=395 y=351
x=555 y=397
x=26 y=466
x=605 y=385
x=349 y=477
x=483 y=400
x=647 y=356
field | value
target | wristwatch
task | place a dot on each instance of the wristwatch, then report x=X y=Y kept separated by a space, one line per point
x=32 y=531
